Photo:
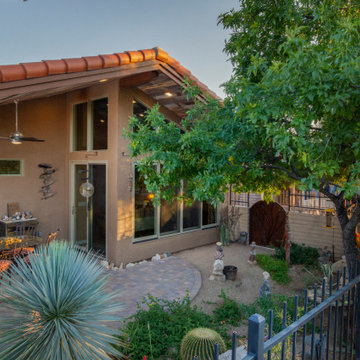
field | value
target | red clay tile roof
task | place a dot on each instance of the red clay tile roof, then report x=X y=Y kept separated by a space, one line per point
x=44 y=68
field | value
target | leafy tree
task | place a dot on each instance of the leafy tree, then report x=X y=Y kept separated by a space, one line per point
x=291 y=113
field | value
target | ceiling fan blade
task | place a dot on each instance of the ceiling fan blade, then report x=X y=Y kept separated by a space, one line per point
x=31 y=139
x=4 y=138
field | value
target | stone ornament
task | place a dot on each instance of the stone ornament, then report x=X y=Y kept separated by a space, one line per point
x=265 y=288
x=218 y=266
x=252 y=253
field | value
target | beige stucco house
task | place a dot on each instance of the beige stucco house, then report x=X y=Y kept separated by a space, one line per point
x=80 y=107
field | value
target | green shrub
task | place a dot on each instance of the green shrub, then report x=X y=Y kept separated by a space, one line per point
x=57 y=307
x=278 y=269
x=300 y=254
x=228 y=312
x=201 y=342
x=162 y=326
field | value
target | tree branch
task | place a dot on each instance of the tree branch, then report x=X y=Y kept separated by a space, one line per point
x=292 y=175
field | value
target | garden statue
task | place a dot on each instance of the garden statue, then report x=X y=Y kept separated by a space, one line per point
x=265 y=288
x=325 y=256
x=218 y=266
x=217 y=273
x=219 y=251
x=252 y=253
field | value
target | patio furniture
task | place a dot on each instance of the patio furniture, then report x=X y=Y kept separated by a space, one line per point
x=12 y=227
x=29 y=229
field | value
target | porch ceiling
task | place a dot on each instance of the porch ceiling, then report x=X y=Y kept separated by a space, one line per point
x=152 y=71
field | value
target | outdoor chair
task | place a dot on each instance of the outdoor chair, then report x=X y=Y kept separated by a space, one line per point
x=27 y=230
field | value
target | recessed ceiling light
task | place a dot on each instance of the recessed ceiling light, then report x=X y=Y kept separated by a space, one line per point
x=134 y=101
x=102 y=120
x=142 y=115
x=169 y=94
x=103 y=80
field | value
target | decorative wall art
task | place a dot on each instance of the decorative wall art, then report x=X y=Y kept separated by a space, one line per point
x=46 y=176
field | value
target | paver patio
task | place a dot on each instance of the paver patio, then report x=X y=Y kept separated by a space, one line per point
x=170 y=278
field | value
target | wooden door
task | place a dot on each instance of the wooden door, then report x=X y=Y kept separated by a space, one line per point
x=267 y=223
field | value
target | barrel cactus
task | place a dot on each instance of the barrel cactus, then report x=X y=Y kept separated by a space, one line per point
x=201 y=342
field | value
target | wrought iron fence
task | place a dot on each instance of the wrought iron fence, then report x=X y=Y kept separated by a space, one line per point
x=330 y=314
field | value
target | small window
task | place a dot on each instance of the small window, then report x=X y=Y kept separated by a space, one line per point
x=80 y=127
x=11 y=167
x=100 y=124
x=90 y=125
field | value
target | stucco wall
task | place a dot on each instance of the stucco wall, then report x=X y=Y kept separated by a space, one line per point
x=108 y=157
x=127 y=250
x=309 y=230
x=44 y=119
x=50 y=119
x=304 y=229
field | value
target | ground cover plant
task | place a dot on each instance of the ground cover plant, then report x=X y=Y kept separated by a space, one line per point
x=57 y=308
x=157 y=331
x=277 y=268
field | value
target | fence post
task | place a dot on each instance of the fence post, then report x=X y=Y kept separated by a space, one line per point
x=256 y=334
x=357 y=322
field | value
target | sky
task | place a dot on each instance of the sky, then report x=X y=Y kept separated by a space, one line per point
x=51 y=29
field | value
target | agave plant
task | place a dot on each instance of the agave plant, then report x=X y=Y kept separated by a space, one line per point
x=57 y=308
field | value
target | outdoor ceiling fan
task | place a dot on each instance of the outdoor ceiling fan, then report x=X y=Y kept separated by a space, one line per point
x=17 y=137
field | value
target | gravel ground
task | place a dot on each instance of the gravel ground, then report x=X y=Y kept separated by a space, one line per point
x=245 y=289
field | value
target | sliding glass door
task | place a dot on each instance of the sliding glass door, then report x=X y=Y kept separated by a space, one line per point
x=89 y=212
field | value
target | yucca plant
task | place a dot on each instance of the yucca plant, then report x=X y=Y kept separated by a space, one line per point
x=57 y=308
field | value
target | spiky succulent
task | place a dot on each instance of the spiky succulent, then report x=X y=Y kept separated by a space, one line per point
x=57 y=308
x=201 y=342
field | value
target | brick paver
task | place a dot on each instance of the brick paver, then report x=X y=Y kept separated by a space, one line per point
x=170 y=279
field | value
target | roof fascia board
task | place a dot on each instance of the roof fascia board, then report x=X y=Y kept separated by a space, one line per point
x=21 y=88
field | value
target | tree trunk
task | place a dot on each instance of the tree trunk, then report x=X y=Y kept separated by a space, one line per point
x=348 y=227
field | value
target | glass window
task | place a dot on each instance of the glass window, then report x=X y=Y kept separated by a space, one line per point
x=80 y=127
x=10 y=167
x=144 y=209
x=169 y=217
x=191 y=216
x=100 y=124
x=208 y=214
x=139 y=111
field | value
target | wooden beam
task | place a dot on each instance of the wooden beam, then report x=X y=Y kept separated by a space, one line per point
x=138 y=79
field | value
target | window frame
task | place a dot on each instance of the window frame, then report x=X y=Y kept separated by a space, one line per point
x=157 y=234
x=89 y=125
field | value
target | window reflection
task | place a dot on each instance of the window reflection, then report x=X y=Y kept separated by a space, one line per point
x=169 y=217
x=100 y=124
x=208 y=214
x=144 y=209
x=191 y=216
